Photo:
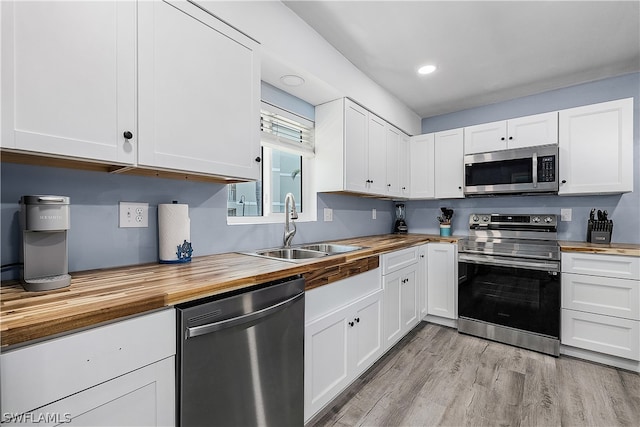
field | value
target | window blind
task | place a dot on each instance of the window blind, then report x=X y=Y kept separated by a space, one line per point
x=286 y=131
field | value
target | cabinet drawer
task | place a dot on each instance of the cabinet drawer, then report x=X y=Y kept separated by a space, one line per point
x=42 y=373
x=601 y=295
x=325 y=299
x=604 y=334
x=622 y=267
x=397 y=260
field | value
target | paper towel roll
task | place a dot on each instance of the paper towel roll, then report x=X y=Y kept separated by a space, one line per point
x=174 y=233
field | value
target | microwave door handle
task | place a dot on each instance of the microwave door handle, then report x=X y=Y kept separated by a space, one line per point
x=534 y=162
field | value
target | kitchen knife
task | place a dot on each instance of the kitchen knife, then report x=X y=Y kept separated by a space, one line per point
x=592 y=214
x=606 y=215
x=599 y=215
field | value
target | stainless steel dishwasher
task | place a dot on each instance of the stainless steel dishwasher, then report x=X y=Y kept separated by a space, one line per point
x=241 y=358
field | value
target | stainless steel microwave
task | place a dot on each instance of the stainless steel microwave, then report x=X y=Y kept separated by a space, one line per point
x=514 y=171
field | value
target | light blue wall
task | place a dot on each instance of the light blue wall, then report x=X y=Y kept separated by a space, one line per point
x=623 y=209
x=95 y=241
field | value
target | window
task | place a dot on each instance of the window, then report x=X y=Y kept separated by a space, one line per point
x=287 y=167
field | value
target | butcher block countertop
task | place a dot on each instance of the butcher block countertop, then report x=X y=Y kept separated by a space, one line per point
x=628 y=249
x=104 y=295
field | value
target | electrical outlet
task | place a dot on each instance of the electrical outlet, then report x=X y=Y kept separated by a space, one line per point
x=565 y=214
x=134 y=214
x=373 y=213
x=328 y=214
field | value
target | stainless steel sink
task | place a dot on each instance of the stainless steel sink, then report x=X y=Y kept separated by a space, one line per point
x=290 y=253
x=331 y=248
x=305 y=252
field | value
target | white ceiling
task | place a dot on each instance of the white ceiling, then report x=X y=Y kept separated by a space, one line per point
x=486 y=51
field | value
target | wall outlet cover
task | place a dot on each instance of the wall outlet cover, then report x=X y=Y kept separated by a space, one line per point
x=134 y=214
x=373 y=213
x=565 y=214
x=328 y=214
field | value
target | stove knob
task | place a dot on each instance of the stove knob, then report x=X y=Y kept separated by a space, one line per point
x=548 y=220
x=536 y=219
x=485 y=218
x=475 y=218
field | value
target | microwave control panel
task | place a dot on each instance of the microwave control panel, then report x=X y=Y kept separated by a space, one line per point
x=547 y=169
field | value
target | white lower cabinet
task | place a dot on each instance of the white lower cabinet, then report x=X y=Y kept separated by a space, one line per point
x=400 y=304
x=601 y=304
x=442 y=280
x=343 y=337
x=119 y=374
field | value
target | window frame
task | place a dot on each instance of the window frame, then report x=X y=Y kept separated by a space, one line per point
x=309 y=195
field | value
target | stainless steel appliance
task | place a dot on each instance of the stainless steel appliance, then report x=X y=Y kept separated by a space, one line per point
x=509 y=280
x=241 y=358
x=400 y=225
x=45 y=222
x=515 y=171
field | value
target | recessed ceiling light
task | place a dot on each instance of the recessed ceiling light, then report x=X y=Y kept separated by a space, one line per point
x=292 y=80
x=426 y=69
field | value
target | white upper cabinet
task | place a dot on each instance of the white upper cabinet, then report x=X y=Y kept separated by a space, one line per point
x=529 y=131
x=596 y=148
x=69 y=79
x=69 y=76
x=485 y=137
x=422 y=165
x=377 y=175
x=199 y=93
x=449 y=166
x=356 y=151
x=405 y=166
x=393 y=157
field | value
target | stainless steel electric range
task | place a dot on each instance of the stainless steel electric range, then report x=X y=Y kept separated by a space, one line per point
x=509 y=280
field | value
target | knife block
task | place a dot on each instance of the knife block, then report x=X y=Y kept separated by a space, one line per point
x=599 y=231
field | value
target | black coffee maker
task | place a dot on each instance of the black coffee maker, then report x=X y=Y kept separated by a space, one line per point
x=400 y=226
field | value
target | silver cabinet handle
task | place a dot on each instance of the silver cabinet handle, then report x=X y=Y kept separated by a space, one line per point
x=228 y=323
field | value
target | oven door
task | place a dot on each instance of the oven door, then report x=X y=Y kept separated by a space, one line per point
x=513 y=292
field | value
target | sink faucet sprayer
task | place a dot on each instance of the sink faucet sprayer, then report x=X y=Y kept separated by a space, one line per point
x=290 y=213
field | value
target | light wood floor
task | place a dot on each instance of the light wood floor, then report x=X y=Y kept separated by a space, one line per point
x=438 y=377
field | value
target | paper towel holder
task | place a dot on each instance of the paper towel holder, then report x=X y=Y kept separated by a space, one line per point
x=184 y=250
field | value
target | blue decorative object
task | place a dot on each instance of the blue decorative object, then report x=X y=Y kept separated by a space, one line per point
x=183 y=253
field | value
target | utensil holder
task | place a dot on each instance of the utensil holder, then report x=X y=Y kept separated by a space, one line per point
x=445 y=230
x=599 y=231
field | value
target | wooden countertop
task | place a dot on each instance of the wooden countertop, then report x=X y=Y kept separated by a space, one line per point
x=103 y=295
x=628 y=249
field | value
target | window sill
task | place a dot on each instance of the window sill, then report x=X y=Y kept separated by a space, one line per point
x=279 y=219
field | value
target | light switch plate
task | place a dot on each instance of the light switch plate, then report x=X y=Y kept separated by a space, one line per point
x=134 y=214
x=565 y=214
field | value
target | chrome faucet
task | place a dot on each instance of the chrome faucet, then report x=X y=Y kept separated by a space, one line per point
x=290 y=214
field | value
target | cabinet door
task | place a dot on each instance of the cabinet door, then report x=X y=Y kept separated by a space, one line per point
x=392 y=331
x=356 y=141
x=405 y=166
x=366 y=333
x=485 y=137
x=326 y=359
x=422 y=165
x=409 y=297
x=596 y=148
x=393 y=156
x=145 y=397
x=377 y=155
x=539 y=129
x=422 y=281
x=604 y=334
x=199 y=92
x=68 y=79
x=442 y=280
x=449 y=167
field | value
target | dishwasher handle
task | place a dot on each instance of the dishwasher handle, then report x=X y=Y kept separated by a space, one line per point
x=234 y=321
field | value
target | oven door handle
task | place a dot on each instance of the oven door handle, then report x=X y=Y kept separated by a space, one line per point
x=506 y=262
